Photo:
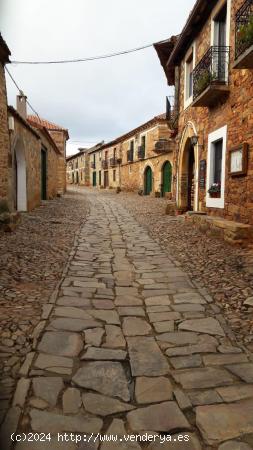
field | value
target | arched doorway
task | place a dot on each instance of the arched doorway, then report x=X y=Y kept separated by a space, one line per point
x=188 y=166
x=166 y=178
x=148 y=184
x=20 y=177
x=187 y=179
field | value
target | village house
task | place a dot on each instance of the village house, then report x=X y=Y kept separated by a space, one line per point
x=210 y=65
x=79 y=166
x=32 y=158
x=35 y=160
x=104 y=163
x=60 y=136
x=140 y=160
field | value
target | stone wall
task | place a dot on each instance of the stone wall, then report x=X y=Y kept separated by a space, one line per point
x=26 y=146
x=237 y=113
x=60 y=139
x=5 y=198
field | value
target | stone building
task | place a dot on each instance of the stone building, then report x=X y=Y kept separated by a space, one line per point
x=5 y=153
x=210 y=65
x=140 y=160
x=35 y=158
x=31 y=156
x=79 y=166
x=104 y=163
x=60 y=136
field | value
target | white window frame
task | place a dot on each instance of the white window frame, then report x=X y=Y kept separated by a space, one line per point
x=213 y=137
x=192 y=50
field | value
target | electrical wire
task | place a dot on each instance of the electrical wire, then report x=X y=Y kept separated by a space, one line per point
x=21 y=92
x=91 y=58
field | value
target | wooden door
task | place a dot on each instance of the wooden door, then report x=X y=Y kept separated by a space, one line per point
x=148 y=181
x=94 y=179
x=166 y=177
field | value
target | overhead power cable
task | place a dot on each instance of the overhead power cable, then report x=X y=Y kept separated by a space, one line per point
x=21 y=92
x=90 y=58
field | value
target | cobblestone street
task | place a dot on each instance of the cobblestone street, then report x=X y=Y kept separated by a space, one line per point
x=129 y=344
x=31 y=262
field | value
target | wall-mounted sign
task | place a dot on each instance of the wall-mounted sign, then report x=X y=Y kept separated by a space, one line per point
x=202 y=174
x=238 y=160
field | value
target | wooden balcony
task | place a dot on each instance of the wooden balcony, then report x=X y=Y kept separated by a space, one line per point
x=244 y=36
x=210 y=77
x=163 y=146
x=105 y=164
x=113 y=162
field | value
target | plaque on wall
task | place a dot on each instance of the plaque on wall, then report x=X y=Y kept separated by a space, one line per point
x=202 y=174
x=238 y=160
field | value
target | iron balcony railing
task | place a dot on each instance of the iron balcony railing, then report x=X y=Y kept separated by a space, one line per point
x=130 y=155
x=113 y=162
x=105 y=164
x=93 y=165
x=244 y=28
x=141 y=152
x=213 y=68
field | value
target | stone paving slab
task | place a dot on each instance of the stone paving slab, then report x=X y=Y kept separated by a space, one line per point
x=131 y=345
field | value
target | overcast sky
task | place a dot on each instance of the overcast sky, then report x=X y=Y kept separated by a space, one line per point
x=100 y=99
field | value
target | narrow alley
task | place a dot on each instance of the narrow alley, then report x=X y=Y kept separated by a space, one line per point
x=130 y=347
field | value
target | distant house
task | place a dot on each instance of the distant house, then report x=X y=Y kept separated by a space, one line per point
x=79 y=164
x=140 y=160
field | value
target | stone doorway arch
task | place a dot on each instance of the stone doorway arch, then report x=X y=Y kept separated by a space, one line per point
x=187 y=189
x=20 y=176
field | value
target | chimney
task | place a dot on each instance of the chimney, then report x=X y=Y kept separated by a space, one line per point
x=21 y=105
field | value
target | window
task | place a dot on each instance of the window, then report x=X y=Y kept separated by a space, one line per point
x=217 y=161
x=189 y=78
x=143 y=142
x=100 y=156
x=99 y=178
x=114 y=175
x=114 y=153
x=132 y=150
x=217 y=143
x=189 y=66
x=220 y=27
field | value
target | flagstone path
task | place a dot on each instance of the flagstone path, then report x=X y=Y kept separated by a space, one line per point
x=129 y=345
